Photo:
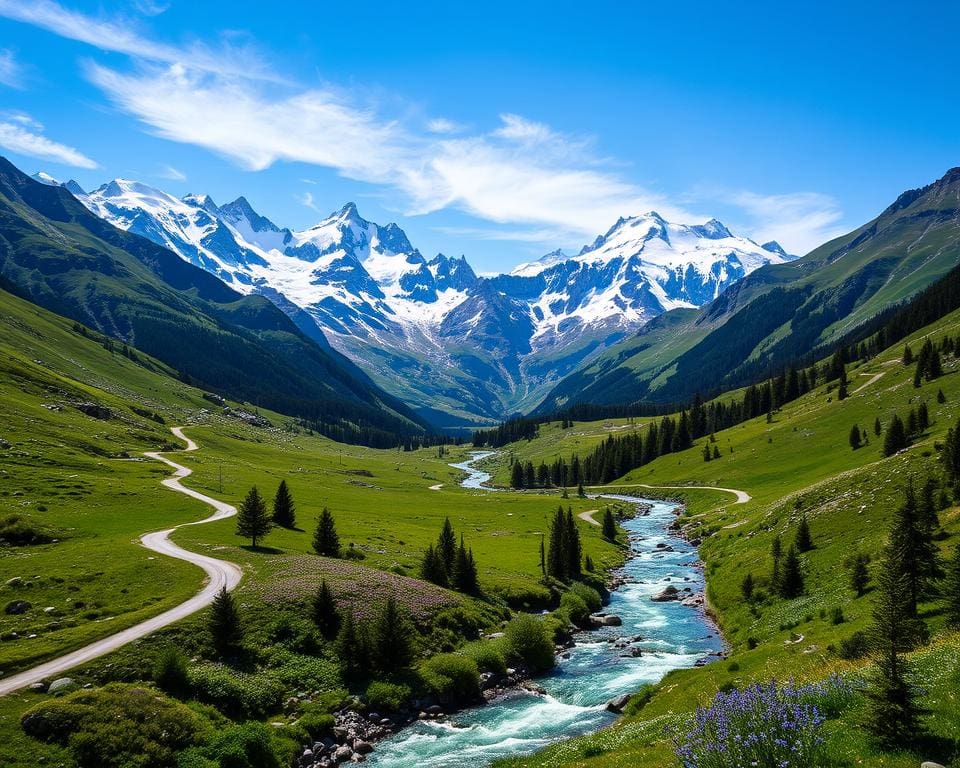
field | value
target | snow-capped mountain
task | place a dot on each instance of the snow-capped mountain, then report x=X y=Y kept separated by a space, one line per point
x=448 y=342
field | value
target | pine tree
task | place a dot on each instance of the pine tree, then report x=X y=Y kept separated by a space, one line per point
x=877 y=428
x=574 y=549
x=432 y=568
x=859 y=575
x=447 y=548
x=226 y=631
x=746 y=587
x=609 y=528
x=706 y=452
x=716 y=452
x=465 y=571
x=855 y=438
x=556 y=556
x=326 y=542
x=893 y=714
x=791 y=583
x=951 y=455
x=350 y=647
x=580 y=492
x=776 y=551
x=588 y=564
x=941 y=398
x=907 y=355
x=951 y=589
x=392 y=638
x=543 y=556
x=324 y=612
x=516 y=475
x=253 y=522
x=912 y=550
x=803 y=541
x=896 y=438
x=284 y=510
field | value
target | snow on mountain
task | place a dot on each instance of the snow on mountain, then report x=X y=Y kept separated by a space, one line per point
x=433 y=332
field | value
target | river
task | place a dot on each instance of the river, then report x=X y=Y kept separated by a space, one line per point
x=673 y=636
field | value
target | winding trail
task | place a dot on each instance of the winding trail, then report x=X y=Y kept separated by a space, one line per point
x=742 y=496
x=871 y=380
x=220 y=573
x=588 y=517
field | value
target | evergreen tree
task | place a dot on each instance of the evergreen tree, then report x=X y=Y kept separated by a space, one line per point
x=912 y=550
x=351 y=648
x=447 y=547
x=927 y=506
x=855 y=438
x=516 y=475
x=791 y=582
x=706 y=452
x=580 y=492
x=226 y=631
x=859 y=575
x=952 y=589
x=716 y=452
x=529 y=475
x=326 y=542
x=951 y=455
x=907 y=354
x=253 y=522
x=746 y=587
x=284 y=510
x=432 y=568
x=803 y=541
x=556 y=556
x=776 y=551
x=877 y=428
x=465 y=571
x=574 y=549
x=392 y=638
x=896 y=438
x=609 y=528
x=588 y=564
x=893 y=714
x=543 y=556
x=941 y=398
x=324 y=612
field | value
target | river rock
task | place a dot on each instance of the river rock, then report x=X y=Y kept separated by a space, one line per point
x=618 y=704
x=666 y=595
x=930 y=764
x=343 y=754
x=362 y=747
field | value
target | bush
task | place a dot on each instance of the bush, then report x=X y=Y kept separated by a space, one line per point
x=588 y=594
x=317 y=724
x=17 y=532
x=117 y=726
x=855 y=647
x=574 y=609
x=297 y=670
x=487 y=655
x=244 y=746
x=387 y=696
x=452 y=676
x=170 y=672
x=836 y=616
x=523 y=597
x=236 y=694
x=760 y=725
x=528 y=640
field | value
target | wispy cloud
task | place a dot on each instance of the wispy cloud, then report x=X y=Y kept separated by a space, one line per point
x=121 y=35
x=23 y=135
x=174 y=174
x=306 y=199
x=443 y=125
x=799 y=221
x=11 y=71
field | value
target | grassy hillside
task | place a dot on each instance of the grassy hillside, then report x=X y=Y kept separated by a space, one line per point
x=781 y=311
x=801 y=463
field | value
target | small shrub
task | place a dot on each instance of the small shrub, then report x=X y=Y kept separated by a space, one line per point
x=317 y=724
x=836 y=616
x=733 y=667
x=573 y=608
x=452 y=676
x=528 y=640
x=487 y=655
x=236 y=694
x=752 y=643
x=244 y=746
x=588 y=594
x=640 y=699
x=170 y=672
x=854 y=647
x=388 y=697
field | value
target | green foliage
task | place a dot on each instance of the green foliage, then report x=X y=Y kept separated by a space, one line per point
x=487 y=655
x=860 y=574
x=573 y=607
x=243 y=746
x=17 y=531
x=324 y=611
x=284 y=510
x=388 y=697
x=253 y=522
x=452 y=676
x=855 y=437
x=803 y=541
x=791 y=581
x=118 y=726
x=588 y=594
x=302 y=671
x=746 y=587
x=565 y=551
x=317 y=724
x=393 y=638
x=226 y=631
x=236 y=694
x=527 y=640
x=326 y=541
x=170 y=672
x=912 y=552
x=352 y=647
x=895 y=439
x=951 y=589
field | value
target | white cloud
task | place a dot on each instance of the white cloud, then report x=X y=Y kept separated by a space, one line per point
x=11 y=72
x=442 y=125
x=174 y=174
x=799 y=221
x=22 y=135
x=121 y=36
x=306 y=199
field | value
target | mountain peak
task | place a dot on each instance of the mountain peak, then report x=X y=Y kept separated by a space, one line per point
x=714 y=229
x=45 y=178
x=74 y=188
x=774 y=247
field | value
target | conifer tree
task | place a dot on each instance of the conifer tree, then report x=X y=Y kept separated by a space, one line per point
x=253 y=522
x=350 y=647
x=226 y=631
x=574 y=550
x=284 y=510
x=746 y=587
x=716 y=452
x=893 y=713
x=543 y=556
x=556 y=557
x=877 y=428
x=432 y=568
x=952 y=589
x=776 y=552
x=859 y=575
x=324 y=612
x=907 y=354
x=588 y=564
x=609 y=528
x=803 y=541
x=706 y=452
x=912 y=550
x=791 y=582
x=951 y=455
x=941 y=398
x=392 y=638
x=855 y=438
x=516 y=475
x=465 y=571
x=896 y=438
x=326 y=541
x=447 y=547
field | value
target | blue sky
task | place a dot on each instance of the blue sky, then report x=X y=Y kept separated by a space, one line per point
x=496 y=130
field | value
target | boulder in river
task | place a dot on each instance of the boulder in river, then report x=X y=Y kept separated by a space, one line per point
x=618 y=704
x=666 y=595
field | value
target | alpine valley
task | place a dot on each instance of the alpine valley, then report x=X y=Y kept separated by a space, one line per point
x=457 y=348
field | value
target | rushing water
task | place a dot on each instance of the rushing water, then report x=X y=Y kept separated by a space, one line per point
x=578 y=689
